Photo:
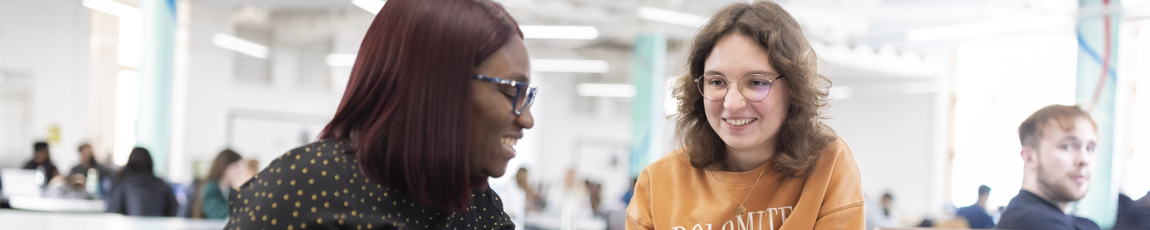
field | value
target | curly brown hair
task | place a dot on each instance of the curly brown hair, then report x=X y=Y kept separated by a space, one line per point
x=802 y=135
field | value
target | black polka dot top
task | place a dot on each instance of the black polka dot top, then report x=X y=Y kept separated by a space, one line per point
x=317 y=186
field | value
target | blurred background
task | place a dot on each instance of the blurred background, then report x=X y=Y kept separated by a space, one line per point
x=927 y=93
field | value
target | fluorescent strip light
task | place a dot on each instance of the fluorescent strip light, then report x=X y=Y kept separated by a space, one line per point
x=984 y=28
x=340 y=60
x=240 y=45
x=569 y=66
x=560 y=32
x=127 y=110
x=605 y=90
x=672 y=17
x=372 y=6
x=112 y=7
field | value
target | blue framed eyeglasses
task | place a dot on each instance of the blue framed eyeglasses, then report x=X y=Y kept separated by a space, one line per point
x=524 y=93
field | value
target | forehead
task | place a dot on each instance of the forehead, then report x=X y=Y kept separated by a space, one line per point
x=509 y=62
x=737 y=52
x=515 y=54
x=1058 y=128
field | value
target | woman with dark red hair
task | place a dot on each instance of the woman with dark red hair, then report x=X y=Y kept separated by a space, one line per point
x=437 y=99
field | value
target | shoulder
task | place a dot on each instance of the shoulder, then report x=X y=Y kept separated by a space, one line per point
x=838 y=150
x=836 y=161
x=1028 y=218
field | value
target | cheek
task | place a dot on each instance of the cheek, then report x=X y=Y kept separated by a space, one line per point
x=713 y=110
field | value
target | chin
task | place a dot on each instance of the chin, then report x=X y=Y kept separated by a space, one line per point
x=497 y=170
x=738 y=143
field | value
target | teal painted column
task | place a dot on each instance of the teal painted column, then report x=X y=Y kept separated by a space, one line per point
x=1095 y=87
x=647 y=75
x=153 y=130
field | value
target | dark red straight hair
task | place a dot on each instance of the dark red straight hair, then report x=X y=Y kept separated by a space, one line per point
x=408 y=101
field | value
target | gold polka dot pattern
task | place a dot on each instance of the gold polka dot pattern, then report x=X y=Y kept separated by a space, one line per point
x=335 y=196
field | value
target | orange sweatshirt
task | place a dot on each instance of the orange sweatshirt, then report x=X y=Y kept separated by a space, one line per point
x=672 y=195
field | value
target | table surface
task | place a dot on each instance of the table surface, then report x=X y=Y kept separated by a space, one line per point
x=20 y=219
x=56 y=205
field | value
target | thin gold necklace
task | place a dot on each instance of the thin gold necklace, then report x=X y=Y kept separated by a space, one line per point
x=739 y=211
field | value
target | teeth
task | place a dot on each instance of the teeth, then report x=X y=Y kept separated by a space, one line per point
x=509 y=141
x=740 y=122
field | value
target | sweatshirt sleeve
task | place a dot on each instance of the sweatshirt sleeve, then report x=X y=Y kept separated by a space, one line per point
x=639 y=211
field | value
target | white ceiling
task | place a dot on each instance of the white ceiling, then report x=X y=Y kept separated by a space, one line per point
x=863 y=26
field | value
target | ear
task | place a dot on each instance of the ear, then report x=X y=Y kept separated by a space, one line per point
x=1029 y=157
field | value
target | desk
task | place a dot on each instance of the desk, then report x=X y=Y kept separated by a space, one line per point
x=539 y=221
x=19 y=219
x=56 y=205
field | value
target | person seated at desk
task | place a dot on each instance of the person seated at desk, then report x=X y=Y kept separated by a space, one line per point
x=223 y=178
x=42 y=157
x=136 y=191
x=88 y=161
x=975 y=214
x=1133 y=214
x=1058 y=157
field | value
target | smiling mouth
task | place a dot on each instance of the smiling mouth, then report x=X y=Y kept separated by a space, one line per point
x=740 y=122
x=509 y=142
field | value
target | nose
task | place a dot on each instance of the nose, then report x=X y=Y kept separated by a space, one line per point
x=734 y=99
x=525 y=119
x=1084 y=158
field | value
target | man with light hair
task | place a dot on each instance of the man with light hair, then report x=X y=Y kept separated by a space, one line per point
x=1058 y=144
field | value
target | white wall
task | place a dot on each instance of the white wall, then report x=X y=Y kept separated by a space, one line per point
x=892 y=137
x=213 y=93
x=47 y=40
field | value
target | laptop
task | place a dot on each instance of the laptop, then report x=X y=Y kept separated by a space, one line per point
x=19 y=182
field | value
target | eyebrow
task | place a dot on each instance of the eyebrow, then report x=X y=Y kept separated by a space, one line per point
x=763 y=72
x=519 y=77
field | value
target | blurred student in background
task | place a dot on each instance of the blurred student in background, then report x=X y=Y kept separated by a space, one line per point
x=755 y=147
x=975 y=214
x=136 y=191
x=1133 y=214
x=42 y=160
x=885 y=215
x=438 y=97
x=1058 y=156
x=88 y=161
x=223 y=177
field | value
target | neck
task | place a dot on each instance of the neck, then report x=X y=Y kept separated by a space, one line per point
x=981 y=204
x=742 y=160
x=1062 y=205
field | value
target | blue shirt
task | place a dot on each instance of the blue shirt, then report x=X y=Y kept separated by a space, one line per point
x=976 y=216
x=1027 y=211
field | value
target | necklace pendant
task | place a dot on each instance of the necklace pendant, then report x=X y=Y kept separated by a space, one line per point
x=740 y=210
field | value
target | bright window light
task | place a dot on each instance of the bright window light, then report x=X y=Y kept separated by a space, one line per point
x=569 y=66
x=372 y=6
x=605 y=90
x=240 y=45
x=340 y=60
x=131 y=23
x=670 y=103
x=127 y=110
x=1136 y=181
x=560 y=32
x=984 y=28
x=672 y=17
